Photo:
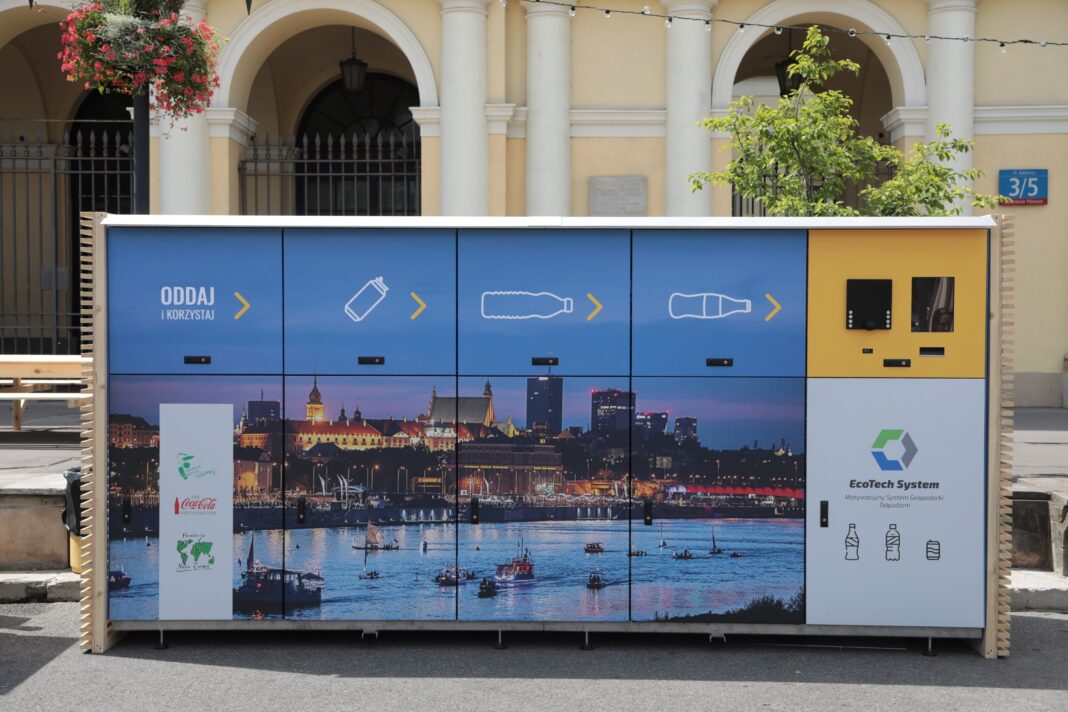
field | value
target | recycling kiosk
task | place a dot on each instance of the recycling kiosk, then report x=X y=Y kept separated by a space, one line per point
x=717 y=426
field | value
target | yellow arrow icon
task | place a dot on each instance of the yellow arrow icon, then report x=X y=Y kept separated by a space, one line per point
x=597 y=307
x=420 y=302
x=244 y=306
x=775 y=304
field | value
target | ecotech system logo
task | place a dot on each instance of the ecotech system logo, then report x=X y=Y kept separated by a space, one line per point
x=893 y=451
x=188 y=469
x=879 y=450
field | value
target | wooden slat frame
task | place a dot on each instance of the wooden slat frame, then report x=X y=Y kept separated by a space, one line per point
x=997 y=631
x=96 y=633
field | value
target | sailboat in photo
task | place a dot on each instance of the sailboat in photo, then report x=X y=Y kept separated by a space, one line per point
x=374 y=540
x=663 y=541
x=715 y=549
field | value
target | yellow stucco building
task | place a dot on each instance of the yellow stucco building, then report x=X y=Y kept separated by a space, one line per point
x=478 y=107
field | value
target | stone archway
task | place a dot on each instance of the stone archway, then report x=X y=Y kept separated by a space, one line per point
x=899 y=58
x=272 y=24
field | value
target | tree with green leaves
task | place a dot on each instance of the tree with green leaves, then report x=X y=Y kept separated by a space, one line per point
x=799 y=156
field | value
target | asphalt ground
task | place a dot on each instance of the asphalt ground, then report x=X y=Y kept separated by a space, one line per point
x=42 y=668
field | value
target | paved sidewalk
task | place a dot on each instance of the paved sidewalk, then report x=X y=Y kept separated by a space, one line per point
x=42 y=669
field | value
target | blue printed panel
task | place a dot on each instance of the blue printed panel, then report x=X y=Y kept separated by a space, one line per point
x=532 y=294
x=195 y=300
x=376 y=294
x=734 y=297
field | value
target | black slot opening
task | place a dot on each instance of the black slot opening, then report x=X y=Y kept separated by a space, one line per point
x=719 y=362
x=932 y=351
x=544 y=361
x=197 y=360
x=370 y=360
x=474 y=510
x=824 y=506
x=897 y=362
x=648 y=514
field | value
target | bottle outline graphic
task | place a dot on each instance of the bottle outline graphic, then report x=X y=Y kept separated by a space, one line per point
x=176 y=510
x=934 y=550
x=893 y=544
x=363 y=302
x=852 y=544
x=514 y=304
x=706 y=305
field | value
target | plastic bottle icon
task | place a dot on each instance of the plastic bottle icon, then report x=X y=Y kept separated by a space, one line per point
x=705 y=305
x=365 y=300
x=893 y=544
x=524 y=305
x=852 y=544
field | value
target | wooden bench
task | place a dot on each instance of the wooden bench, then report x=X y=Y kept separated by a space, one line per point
x=26 y=378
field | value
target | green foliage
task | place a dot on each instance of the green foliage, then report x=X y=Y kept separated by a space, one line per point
x=799 y=156
x=923 y=183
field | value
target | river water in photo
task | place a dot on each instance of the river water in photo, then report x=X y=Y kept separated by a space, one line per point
x=772 y=564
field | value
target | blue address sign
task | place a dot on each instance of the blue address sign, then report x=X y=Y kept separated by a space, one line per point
x=1024 y=186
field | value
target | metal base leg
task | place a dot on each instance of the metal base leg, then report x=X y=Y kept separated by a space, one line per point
x=929 y=651
x=161 y=645
x=499 y=645
x=586 y=644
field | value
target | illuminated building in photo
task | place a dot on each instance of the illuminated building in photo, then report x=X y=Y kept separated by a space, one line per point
x=611 y=410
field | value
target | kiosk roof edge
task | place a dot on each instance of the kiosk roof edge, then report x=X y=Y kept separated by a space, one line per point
x=984 y=222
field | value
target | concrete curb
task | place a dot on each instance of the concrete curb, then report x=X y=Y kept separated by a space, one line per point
x=1039 y=591
x=48 y=586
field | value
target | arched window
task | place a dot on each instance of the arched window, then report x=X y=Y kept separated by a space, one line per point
x=354 y=154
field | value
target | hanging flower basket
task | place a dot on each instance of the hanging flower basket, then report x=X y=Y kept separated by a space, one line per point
x=131 y=46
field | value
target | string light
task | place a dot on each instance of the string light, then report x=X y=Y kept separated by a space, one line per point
x=645 y=11
x=1004 y=49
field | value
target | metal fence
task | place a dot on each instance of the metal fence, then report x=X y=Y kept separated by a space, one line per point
x=742 y=206
x=359 y=175
x=44 y=185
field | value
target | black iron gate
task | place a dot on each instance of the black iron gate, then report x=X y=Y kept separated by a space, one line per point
x=359 y=175
x=43 y=188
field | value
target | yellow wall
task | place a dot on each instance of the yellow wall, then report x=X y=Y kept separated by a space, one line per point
x=1041 y=259
x=617 y=157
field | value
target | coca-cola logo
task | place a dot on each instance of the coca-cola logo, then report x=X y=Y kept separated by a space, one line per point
x=194 y=505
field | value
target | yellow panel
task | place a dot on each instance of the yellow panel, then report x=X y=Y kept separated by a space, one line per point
x=835 y=256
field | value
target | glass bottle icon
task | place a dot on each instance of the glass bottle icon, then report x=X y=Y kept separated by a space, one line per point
x=706 y=305
x=524 y=305
x=852 y=544
x=364 y=301
x=893 y=544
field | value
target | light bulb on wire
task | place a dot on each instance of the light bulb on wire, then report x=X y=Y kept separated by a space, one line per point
x=571 y=11
x=708 y=25
x=646 y=10
x=741 y=28
x=778 y=30
x=667 y=23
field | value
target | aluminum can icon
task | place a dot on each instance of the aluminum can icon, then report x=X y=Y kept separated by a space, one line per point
x=364 y=301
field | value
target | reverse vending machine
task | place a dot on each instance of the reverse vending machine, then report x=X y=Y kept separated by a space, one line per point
x=786 y=426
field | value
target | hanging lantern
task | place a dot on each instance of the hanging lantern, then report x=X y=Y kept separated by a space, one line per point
x=353 y=70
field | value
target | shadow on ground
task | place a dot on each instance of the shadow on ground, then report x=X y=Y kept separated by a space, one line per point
x=1038 y=663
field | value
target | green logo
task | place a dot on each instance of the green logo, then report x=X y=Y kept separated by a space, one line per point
x=187 y=468
x=194 y=552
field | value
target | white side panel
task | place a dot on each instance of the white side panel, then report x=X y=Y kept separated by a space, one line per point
x=196 y=502
x=924 y=475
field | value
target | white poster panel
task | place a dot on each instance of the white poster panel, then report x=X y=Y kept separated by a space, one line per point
x=196 y=501
x=898 y=466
